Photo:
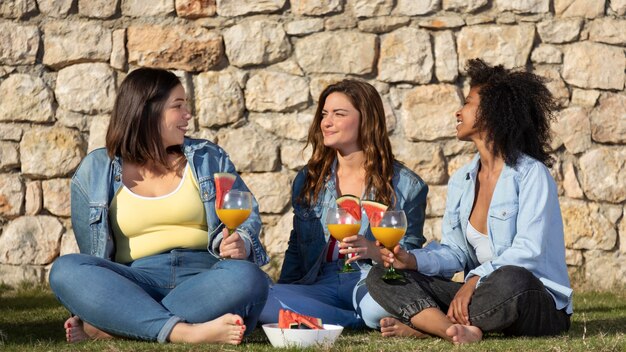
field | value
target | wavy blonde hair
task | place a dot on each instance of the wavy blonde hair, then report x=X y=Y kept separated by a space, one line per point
x=373 y=139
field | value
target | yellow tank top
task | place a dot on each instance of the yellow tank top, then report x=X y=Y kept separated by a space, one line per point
x=145 y=226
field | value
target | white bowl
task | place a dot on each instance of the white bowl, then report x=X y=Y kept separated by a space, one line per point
x=302 y=337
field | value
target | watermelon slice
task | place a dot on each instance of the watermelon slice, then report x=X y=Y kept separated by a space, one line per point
x=292 y=320
x=223 y=183
x=374 y=211
x=352 y=204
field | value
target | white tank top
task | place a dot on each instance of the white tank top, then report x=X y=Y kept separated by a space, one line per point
x=480 y=242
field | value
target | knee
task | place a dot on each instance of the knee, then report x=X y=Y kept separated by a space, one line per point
x=249 y=274
x=371 y=312
x=63 y=269
x=515 y=278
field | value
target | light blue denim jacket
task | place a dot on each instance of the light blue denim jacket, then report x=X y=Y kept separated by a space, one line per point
x=98 y=179
x=524 y=223
x=309 y=236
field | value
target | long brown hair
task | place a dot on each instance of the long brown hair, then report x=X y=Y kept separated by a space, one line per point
x=134 y=133
x=373 y=138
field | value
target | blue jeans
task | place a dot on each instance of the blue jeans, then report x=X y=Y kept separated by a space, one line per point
x=147 y=297
x=332 y=298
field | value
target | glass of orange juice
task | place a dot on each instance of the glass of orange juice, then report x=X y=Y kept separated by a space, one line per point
x=341 y=225
x=235 y=208
x=389 y=228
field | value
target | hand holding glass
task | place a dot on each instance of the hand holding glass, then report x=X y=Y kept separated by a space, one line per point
x=341 y=225
x=235 y=208
x=389 y=230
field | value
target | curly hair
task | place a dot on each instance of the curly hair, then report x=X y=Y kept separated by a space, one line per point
x=515 y=111
x=373 y=138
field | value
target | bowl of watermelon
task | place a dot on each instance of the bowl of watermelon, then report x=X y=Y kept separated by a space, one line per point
x=298 y=330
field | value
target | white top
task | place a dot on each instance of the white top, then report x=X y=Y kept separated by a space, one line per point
x=480 y=242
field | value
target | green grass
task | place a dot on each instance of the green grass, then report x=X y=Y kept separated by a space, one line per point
x=31 y=319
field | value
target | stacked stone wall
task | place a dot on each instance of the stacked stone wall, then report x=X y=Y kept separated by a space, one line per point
x=253 y=70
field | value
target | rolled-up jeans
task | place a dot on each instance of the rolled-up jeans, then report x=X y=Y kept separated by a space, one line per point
x=147 y=297
x=511 y=300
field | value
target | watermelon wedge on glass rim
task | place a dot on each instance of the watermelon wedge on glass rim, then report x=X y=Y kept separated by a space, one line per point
x=374 y=211
x=223 y=183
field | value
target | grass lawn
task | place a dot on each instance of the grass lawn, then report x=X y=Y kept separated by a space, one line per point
x=31 y=319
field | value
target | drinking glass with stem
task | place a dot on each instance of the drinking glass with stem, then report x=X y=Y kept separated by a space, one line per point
x=388 y=229
x=341 y=225
x=234 y=209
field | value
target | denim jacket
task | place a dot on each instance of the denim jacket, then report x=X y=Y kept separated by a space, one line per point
x=524 y=226
x=98 y=179
x=309 y=236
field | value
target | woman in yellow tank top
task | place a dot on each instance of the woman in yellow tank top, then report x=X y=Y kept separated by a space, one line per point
x=155 y=263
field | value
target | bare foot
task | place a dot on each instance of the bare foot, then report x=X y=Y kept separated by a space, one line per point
x=74 y=331
x=227 y=329
x=77 y=330
x=390 y=327
x=464 y=334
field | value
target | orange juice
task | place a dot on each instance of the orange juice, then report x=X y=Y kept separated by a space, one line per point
x=233 y=217
x=341 y=231
x=388 y=236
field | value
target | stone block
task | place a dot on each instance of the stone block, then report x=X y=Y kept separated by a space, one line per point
x=276 y=91
x=97 y=8
x=56 y=196
x=428 y=112
x=383 y=24
x=25 y=98
x=290 y=126
x=415 y=8
x=523 y=6
x=304 y=26
x=593 y=65
x=603 y=171
x=466 y=6
x=446 y=60
x=196 y=8
x=251 y=149
x=269 y=190
x=608 y=119
x=496 y=44
x=11 y=196
x=315 y=7
x=406 y=56
x=51 y=152
x=98 y=126
x=372 y=8
x=219 y=99
x=86 y=88
x=558 y=31
x=18 y=44
x=232 y=8
x=31 y=240
x=180 y=47
x=579 y=8
x=34 y=198
x=325 y=52
x=426 y=159
x=55 y=8
x=546 y=54
x=256 y=42
x=574 y=129
x=147 y=8
x=9 y=156
x=18 y=8
x=66 y=43
x=294 y=155
x=608 y=30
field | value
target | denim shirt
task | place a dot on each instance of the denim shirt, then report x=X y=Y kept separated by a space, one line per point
x=309 y=236
x=524 y=227
x=98 y=179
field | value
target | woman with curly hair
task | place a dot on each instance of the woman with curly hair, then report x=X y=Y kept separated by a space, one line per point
x=351 y=155
x=502 y=226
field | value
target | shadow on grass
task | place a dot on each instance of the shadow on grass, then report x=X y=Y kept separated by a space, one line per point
x=598 y=326
x=29 y=317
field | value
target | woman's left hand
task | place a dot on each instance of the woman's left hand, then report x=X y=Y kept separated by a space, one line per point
x=361 y=247
x=232 y=246
x=458 y=312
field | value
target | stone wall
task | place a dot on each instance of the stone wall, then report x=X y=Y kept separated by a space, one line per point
x=254 y=69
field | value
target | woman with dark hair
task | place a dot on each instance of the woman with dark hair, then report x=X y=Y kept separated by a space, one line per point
x=156 y=264
x=351 y=155
x=502 y=225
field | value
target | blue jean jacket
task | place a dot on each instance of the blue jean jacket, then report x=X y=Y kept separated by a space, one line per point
x=524 y=226
x=98 y=178
x=309 y=236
